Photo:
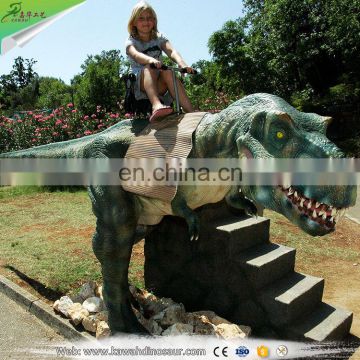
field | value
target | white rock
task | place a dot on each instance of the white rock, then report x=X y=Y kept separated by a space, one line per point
x=93 y=304
x=203 y=326
x=172 y=315
x=62 y=305
x=232 y=331
x=102 y=330
x=159 y=316
x=102 y=316
x=209 y=314
x=151 y=326
x=56 y=305
x=217 y=320
x=166 y=302
x=150 y=304
x=77 y=313
x=90 y=323
x=99 y=292
x=87 y=290
x=178 y=329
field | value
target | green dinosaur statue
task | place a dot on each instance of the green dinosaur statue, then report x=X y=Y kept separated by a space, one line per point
x=257 y=126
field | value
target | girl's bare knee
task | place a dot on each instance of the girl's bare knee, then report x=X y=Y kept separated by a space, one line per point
x=166 y=76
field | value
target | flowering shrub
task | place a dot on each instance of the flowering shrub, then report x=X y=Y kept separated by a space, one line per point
x=218 y=102
x=64 y=123
x=210 y=100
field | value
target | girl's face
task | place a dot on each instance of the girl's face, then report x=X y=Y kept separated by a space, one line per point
x=145 y=22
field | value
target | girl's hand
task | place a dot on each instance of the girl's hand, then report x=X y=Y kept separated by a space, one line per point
x=189 y=69
x=156 y=63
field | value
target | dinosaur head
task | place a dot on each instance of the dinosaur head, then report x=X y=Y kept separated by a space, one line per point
x=277 y=130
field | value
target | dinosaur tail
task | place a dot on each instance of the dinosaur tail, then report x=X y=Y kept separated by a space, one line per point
x=66 y=149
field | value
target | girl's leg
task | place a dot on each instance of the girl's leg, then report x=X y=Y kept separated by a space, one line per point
x=149 y=83
x=166 y=77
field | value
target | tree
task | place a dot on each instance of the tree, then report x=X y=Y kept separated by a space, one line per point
x=286 y=46
x=19 y=89
x=100 y=83
x=208 y=90
x=53 y=93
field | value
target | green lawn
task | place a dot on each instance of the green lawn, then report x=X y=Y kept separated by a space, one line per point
x=47 y=236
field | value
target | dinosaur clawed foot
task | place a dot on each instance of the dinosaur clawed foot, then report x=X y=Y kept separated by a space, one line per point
x=250 y=208
x=194 y=227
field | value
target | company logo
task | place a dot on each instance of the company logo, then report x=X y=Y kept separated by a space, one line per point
x=242 y=351
x=282 y=350
x=15 y=8
x=20 y=21
x=263 y=351
x=17 y=14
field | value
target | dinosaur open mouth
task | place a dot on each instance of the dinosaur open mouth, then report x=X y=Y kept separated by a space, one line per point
x=324 y=214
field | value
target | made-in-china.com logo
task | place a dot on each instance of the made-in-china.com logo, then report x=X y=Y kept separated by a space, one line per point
x=16 y=13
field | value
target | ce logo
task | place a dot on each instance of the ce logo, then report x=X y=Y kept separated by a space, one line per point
x=223 y=351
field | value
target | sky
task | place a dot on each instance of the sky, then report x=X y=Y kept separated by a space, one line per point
x=99 y=25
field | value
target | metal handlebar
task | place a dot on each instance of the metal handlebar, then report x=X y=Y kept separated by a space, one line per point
x=173 y=68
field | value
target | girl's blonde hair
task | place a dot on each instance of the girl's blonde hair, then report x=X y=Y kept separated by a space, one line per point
x=136 y=11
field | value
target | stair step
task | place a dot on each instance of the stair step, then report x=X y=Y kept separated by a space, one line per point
x=243 y=232
x=210 y=213
x=325 y=323
x=266 y=263
x=290 y=297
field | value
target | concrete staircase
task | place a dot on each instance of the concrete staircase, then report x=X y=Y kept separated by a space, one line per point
x=292 y=301
x=234 y=270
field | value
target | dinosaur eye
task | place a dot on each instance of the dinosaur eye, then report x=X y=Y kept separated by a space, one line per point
x=279 y=134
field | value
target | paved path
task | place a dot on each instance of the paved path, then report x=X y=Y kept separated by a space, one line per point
x=21 y=331
x=354 y=212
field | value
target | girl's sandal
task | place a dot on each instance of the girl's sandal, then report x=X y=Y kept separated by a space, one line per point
x=160 y=113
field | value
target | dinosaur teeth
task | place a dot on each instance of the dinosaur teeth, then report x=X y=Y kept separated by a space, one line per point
x=323 y=214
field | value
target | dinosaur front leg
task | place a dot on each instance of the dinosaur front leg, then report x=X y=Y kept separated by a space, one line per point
x=180 y=208
x=116 y=214
x=237 y=200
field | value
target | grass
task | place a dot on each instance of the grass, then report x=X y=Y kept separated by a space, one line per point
x=337 y=246
x=46 y=236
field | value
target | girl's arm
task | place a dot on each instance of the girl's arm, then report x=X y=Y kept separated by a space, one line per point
x=175 y=56
x=141 y=58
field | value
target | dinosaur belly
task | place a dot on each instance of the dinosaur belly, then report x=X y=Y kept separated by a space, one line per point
x=153 y=210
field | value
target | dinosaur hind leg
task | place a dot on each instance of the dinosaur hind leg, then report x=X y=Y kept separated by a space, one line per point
x=116 y=214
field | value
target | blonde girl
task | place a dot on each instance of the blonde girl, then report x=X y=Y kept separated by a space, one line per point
x=144 y=48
